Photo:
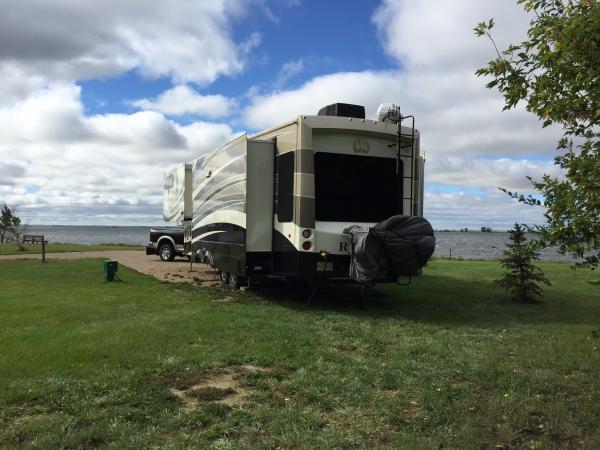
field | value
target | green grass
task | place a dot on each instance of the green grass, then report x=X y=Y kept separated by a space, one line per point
x=15 y=249
x=447 y=362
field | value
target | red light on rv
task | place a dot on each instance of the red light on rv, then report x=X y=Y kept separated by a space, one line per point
x=306 y=245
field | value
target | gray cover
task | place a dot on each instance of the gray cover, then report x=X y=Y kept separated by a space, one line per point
x=398 y=246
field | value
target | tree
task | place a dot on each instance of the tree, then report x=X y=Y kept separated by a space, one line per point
x=556 y=72
x=10 y=224
x=522 y=278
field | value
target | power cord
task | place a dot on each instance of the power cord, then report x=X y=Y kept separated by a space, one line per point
x=310 y=297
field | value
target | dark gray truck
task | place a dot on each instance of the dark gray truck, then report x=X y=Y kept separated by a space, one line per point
x=166 y=242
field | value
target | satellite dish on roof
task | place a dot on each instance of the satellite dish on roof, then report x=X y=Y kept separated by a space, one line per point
x=388 y=112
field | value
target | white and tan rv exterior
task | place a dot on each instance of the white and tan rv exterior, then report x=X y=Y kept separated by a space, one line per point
x=276 y=203
x=177 y=199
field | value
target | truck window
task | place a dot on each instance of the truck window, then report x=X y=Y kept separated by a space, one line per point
x=284 y=200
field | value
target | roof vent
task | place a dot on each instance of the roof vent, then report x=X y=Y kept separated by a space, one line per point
x=343 y=110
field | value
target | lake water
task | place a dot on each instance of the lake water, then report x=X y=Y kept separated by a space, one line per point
x=477 y=245
x=469 y=245
x=91 y=234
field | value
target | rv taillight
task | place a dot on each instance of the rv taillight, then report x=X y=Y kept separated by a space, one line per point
x=306 y=245
x=306 y=234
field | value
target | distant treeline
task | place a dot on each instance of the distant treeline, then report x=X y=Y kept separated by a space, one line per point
x=465 y=230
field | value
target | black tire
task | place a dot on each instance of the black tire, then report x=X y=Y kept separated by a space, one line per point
x=166 y=252
x=235 y=281
x=224 y=277
x=208 y=259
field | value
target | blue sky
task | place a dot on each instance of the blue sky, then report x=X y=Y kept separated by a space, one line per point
x=99 y=98
x=325 y=42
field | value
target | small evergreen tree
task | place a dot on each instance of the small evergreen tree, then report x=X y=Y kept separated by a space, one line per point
x=522 y=278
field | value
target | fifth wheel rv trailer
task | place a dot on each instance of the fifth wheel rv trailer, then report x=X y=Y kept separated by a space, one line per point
x=304 y=199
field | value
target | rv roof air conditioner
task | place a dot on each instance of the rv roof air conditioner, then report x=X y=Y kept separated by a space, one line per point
x=388 y=112
x=343 y=110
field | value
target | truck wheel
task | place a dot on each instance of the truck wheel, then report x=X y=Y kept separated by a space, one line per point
x=166 y=252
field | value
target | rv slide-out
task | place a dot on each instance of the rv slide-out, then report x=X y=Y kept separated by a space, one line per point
x=177 y=200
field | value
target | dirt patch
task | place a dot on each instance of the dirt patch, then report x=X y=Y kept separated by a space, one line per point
x=25 y=418
x=256 y=369
x=352 y=352
x=224 y=387
x=389 y=393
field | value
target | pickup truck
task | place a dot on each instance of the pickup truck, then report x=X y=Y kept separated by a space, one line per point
x=166 y=242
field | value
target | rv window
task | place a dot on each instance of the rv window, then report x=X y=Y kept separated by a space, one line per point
x=350 y=188
x=285 y=187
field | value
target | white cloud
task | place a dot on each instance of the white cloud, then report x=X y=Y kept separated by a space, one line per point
x=10 y=172
x=183 y=99
x=438 y=35
x=289 y=70
x=366 y=88
x=486 y=173
x=59 y=165
x=455 y=113
x=42 y=42
x=455 y=210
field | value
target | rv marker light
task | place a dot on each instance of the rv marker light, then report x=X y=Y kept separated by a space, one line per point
x=306 y=234
x=306 y=245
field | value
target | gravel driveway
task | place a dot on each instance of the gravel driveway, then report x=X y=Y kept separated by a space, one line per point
x=177 y=271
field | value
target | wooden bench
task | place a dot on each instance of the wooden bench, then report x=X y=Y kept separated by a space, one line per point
x=33 y=239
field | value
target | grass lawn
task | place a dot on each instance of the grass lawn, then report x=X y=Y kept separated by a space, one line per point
x=446 y=362
x=13 y=249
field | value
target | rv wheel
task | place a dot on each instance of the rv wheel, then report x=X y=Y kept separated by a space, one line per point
x=224 y=276
x=166 y=253
x=208 y=259
x=235 y=280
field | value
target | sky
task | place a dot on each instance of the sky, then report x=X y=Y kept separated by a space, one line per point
x=99 y=98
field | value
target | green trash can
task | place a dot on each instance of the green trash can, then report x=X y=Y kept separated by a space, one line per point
x=110 y=270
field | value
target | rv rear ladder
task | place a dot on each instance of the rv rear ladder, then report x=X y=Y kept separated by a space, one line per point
x=410 y=135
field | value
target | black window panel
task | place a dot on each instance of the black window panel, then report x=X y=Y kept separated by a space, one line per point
x=352 y=188
x=285 y=187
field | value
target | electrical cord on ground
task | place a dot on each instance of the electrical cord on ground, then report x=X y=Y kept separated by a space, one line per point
x=308 y=300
